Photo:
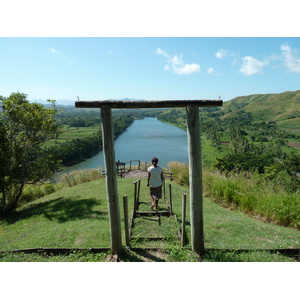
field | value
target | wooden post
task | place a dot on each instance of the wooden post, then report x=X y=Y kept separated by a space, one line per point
x=171 y=204
x=125 y=204
x=195 y=176
x=139 y=190
x=183 y=234
x=135 y=201
x=111 y=180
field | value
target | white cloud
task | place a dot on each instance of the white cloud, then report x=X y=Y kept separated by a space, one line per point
x=68 y=60
x=167 y=67
x=176 y=64
x=187 y=69
x=51 y=50
x=291 y=61
x=221 y=54
x=252 y=66
x=211 y=71
x=163 y=52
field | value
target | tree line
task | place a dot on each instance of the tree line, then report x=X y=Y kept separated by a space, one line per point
x=245 y=145
x=79 y=149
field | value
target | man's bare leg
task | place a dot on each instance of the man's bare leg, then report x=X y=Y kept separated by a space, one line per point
x=152 y=202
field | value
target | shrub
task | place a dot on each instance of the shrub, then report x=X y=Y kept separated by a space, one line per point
x=180 y=171
x=32 y=192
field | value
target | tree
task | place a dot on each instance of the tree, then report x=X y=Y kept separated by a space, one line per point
x=24 y=128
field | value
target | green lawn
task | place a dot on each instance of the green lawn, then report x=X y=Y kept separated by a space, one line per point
x=77 y=217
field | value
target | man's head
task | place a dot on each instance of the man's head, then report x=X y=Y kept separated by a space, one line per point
x=154 y=161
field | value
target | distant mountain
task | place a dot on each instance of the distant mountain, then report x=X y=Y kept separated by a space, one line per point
x=284 y=108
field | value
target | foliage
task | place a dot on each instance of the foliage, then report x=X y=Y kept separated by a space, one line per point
x=78 y=149
x=271 y=195
x=256 y=196
x=180 y=172
x=24 y=128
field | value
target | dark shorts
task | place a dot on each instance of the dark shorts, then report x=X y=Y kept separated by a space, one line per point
x=156 y=192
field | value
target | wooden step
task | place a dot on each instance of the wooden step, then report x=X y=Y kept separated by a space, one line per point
x=153 y=212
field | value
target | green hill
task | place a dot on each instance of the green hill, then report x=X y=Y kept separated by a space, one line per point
x=284 y=108
x=77 y=217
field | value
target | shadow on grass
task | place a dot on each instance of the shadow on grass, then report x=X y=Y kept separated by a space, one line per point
x=141 y=256
x=62 y=209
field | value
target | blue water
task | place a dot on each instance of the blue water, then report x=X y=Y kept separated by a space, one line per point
x=143 y=140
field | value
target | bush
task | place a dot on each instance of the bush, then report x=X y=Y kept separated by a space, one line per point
x=32 y=192
x=180 y=171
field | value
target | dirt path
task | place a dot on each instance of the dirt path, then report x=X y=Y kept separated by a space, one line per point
x=136 y=174
x=291 y=144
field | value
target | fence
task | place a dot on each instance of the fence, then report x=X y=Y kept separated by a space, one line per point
x=124 y=167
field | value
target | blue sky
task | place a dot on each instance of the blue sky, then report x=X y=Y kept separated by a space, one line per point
x=99 y=68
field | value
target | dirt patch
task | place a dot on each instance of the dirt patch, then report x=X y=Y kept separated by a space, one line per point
x=136 y=174
x=295 y=145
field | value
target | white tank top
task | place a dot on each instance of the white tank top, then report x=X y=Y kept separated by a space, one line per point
x=155 y=178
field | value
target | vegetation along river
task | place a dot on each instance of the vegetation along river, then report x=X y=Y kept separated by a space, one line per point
x=141 y=141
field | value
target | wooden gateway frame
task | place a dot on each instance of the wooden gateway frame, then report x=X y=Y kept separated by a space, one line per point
x=194 y=154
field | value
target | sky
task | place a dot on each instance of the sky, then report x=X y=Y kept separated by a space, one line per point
x=150 y=68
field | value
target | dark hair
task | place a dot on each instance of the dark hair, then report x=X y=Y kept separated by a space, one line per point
x=154 y=160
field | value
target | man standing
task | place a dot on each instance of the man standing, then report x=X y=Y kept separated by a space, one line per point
x=155 y=179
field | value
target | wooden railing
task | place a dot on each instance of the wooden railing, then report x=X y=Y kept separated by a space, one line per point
x=124 y=167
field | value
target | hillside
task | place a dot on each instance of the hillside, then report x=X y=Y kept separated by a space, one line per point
x=283 y=108
x=77 y=217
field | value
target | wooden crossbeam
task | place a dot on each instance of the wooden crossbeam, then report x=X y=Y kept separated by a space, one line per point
x=146 y=104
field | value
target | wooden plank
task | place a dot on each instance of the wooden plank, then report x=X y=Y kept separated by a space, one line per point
x=195 y=177
x=111 y=180
x=144 y=213
x=57 y=251
x=146 y=104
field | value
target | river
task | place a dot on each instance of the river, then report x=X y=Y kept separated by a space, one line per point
x=142 y=140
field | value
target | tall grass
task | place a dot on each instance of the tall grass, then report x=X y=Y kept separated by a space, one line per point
x=180 y=172
x=32 y=192
x=268 y=200
x=79 y=176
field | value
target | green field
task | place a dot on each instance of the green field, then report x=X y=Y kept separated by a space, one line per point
x=77 y=217
x=70 y=133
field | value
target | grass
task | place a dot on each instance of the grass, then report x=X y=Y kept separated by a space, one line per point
x=267 y=200
x=77 y=217
x=70 y=133
x=252 y=194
